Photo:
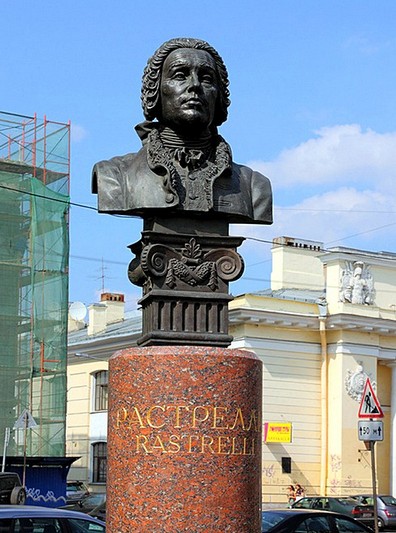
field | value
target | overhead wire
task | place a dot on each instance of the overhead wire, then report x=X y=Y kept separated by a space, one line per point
x=67 y=203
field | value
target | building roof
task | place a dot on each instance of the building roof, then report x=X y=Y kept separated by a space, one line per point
x=131 y=325
x=298 y=295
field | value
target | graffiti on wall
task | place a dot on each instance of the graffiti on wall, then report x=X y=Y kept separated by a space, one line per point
x=35 y=495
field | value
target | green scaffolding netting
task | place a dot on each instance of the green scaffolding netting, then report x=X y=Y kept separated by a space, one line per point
x=33 y=297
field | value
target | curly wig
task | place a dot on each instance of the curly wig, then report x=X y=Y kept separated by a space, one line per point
x=151 y=80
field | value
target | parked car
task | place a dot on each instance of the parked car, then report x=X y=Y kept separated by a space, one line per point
x=344 y=505
x=76 y=491
x=386 y=506
x=99 y=511
x=46 y=520
x=87 y=504
x=11 y=489
x=298 y=520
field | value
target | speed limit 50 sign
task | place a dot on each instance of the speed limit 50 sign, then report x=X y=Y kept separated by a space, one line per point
x=370 y=430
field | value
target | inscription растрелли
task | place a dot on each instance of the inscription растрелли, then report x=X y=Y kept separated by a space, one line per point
x=202 y=429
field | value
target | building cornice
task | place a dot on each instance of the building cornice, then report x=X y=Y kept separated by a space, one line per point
x=382 y=259
x=267 y=317
x=101 y=347
x=380 y=326
x=284 y=319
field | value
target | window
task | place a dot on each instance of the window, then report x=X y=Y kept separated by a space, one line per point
x=304 y=503
x=80 y=526
x=317 y=524
x=345 y=525
x=37 y=525
x=101 y=380
x=286 y=465
x=46 y=524
x=99 y=465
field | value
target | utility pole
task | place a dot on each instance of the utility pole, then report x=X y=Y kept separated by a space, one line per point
x=374 y=482
x=6 y=441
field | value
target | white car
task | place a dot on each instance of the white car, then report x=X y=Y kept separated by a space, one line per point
x=76 y=491
x=32 y=519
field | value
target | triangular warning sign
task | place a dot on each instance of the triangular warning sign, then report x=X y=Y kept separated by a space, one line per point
x=25 y=421
x=369 y=404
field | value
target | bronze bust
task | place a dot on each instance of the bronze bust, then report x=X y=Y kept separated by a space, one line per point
x=187 y=189
x=184 y=167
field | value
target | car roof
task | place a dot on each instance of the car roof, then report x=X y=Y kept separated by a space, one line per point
x=294 y=511
x=331 y=497
x=371 y=495
x=309 y=512
x=35 y=511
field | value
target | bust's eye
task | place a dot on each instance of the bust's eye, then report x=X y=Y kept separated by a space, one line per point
x=207 y=78
x=178 y=75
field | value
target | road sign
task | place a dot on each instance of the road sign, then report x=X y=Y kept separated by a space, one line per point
x=371 y=430
x=25 y=421
x=369 y=404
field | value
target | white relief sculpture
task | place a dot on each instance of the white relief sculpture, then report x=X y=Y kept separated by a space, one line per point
x=357 y=283
x=355 y=381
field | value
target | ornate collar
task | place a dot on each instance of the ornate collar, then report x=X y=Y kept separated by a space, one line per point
x=205 y=165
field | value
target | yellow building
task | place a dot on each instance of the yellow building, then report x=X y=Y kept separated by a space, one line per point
x=89 y=349
x=326 y=325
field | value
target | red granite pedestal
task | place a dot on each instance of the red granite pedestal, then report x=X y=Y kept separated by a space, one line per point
x=184 y=440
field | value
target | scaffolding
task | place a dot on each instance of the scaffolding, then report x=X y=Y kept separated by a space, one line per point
x=34 y=251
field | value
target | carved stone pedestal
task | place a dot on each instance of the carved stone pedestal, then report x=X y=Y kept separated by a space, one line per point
x=184 y=442
x=185 y=267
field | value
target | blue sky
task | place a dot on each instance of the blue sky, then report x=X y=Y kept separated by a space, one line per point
x=313 y=108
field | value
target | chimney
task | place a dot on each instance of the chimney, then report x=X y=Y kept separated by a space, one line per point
x=108 y=311
x=295 y=264
x=97 y=318
x=115 y=305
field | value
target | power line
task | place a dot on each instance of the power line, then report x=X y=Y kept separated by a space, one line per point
x=280 y=208
x=364 y=232
x=326 y=250
x=67 y=202
x=265 y=241
x=321 y=210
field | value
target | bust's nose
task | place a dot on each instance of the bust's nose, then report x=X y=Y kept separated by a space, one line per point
x=193 y=81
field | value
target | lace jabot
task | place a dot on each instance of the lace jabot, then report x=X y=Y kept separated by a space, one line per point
x=188 y=167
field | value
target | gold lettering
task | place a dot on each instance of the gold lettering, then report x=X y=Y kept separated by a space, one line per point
x=190 y=443
x=158 y=444
x=253 y=422
x=219 y=418
x=136 y=413
x=245 y=442
x=139 y=443
x=149 y=412
x=221 y=444
x=196 y=419
x=244 y=446
x=120 y=419
x=208 y=444
x=174 y=441
x=238 y=419
x=177 y=409
x=234 y=451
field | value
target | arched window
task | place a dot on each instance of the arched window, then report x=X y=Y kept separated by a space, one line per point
x=99 y=463
x=101 y=381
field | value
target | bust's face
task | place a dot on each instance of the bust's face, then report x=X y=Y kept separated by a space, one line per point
x=188 y=90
